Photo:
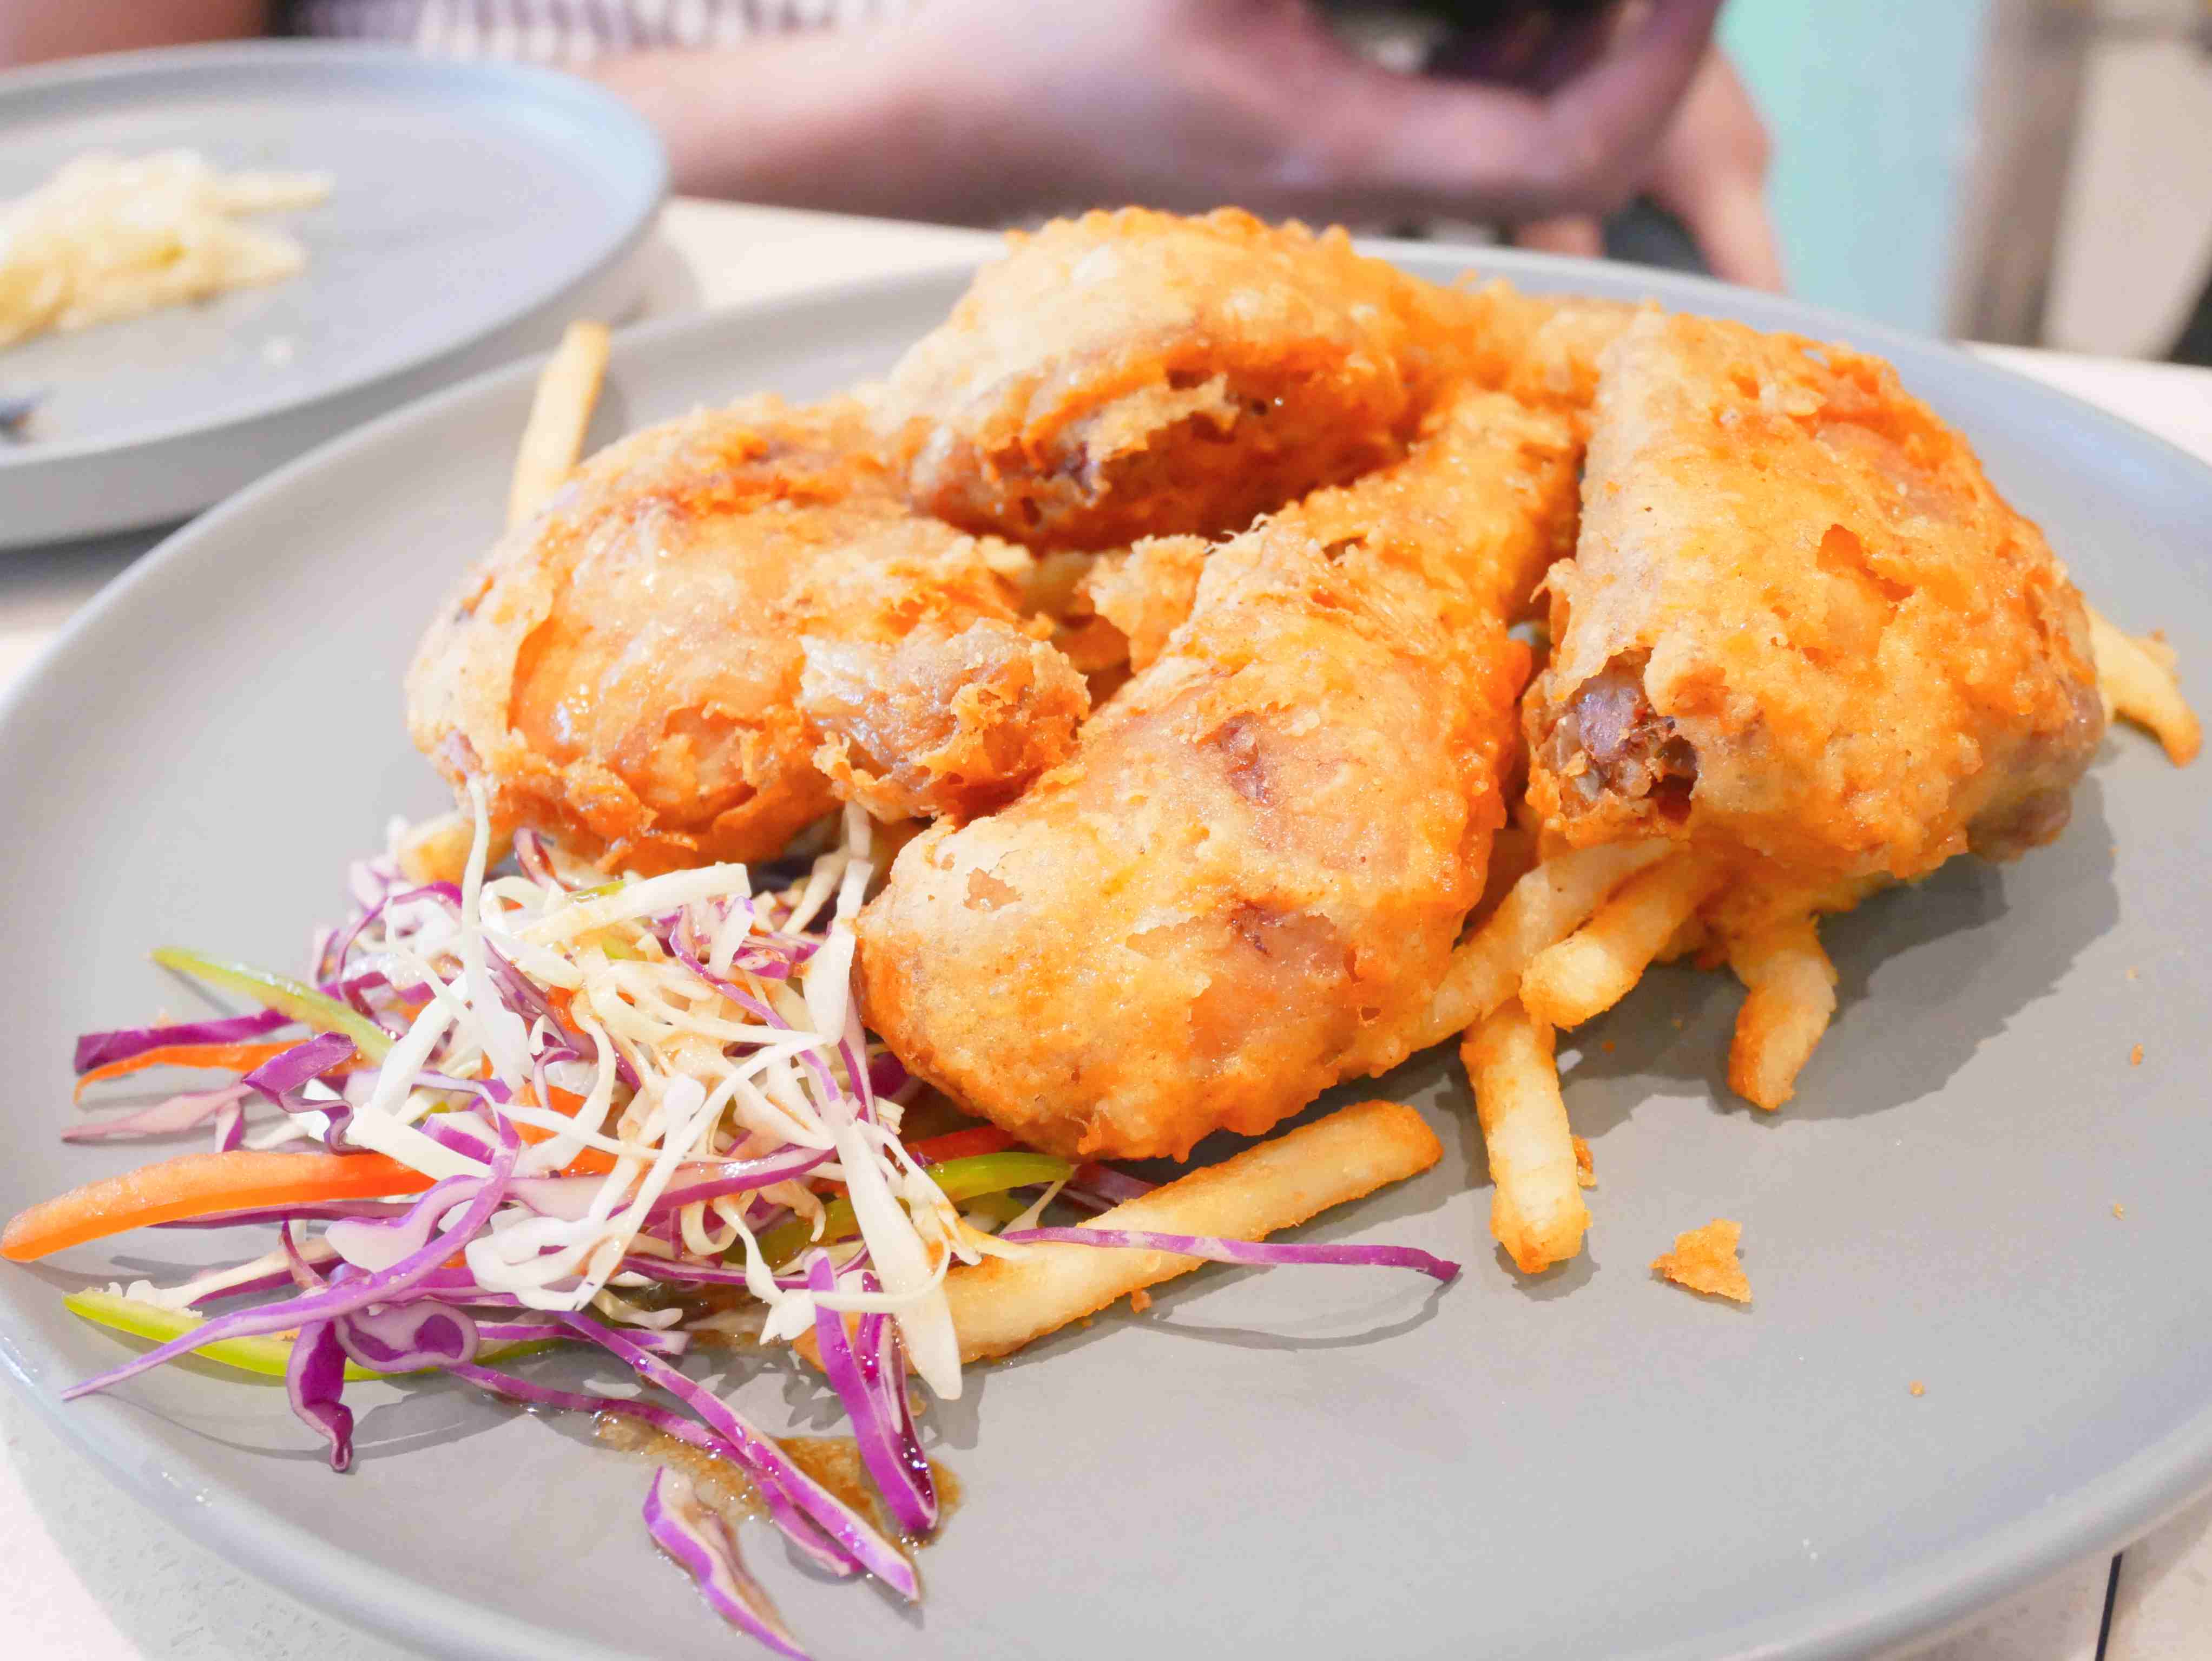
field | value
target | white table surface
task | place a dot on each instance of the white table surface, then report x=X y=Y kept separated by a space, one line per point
x=87 y=1575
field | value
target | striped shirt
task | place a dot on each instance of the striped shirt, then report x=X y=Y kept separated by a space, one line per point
x=577 y=31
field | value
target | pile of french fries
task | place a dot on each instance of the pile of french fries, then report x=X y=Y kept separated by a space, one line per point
x=1575 y=932
x=1557 y=941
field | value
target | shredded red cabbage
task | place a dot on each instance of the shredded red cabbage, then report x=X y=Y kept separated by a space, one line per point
x=322 y=1211
x=99 y=1048
x=314 y=1379
x=702 y=1542
x=872 y=1386
x=408 y=1337
x=280 y=1075
x=765 y=1463
x=819 y=1549
x=1258 y=1254
x=177 y=1113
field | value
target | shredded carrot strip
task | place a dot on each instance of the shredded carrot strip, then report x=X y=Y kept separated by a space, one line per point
x=195 y=1184
x=239 y=1057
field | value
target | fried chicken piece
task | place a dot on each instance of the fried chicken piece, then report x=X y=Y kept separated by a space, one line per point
x=1801 y=628
x=1146 y=592
x=1244 y=884
x=1139 y=374
x=626 y=670
x=1543 y=349
x=940 y=724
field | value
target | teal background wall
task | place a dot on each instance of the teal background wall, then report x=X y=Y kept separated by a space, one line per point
x=1871 y=104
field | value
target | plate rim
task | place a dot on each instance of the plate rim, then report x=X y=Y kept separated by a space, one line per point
x=1917 y=1602
x=547 y=87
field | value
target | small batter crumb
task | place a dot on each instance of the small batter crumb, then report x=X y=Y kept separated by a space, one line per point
x=2119 y=1210
x=1919 y=1388
x=1139 y=1301
x=2135 y=974
x=1585 y=1168
x=2135 y=1056
x=1678 y=1022
x=1608 y=1046
x=1705 y=1260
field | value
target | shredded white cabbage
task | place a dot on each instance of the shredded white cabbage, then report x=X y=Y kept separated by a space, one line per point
x=670 y=1072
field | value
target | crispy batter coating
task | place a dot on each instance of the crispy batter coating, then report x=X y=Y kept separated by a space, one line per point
x=1245 y=883
x=1148 y=591
x=1705 y=1260
x=1800 y=625
x=940 y=724
x=1545 y=350
x=1139 y=374
x=625 y=670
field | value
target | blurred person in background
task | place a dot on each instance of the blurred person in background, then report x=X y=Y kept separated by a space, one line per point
x=1537 y=116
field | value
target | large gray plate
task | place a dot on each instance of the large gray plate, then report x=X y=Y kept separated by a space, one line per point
x=475 y=208
x=1314 y=1463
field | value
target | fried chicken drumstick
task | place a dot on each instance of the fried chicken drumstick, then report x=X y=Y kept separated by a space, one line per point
x=1803 y=635
x=1139 y=374
x=718 y=628
x=1245 y=883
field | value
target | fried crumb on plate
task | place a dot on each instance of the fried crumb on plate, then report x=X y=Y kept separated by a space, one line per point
x=1705 y=1260
x=1585 y=1167
x=1139 y=1301
x=1917 y=1388
x=2135 y=1056
x=2119 y=1210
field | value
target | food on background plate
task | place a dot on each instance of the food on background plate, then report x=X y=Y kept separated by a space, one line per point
x=1264 y=846
x=1229 y=811
x=109 y=237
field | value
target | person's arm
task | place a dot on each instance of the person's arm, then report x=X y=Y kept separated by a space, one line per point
x=988 y=109
x=35 y=31
x=1709 y=171
x=831 y=120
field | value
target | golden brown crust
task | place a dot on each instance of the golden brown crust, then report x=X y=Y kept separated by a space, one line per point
x=1705 y=1260
x=624 y=670
x=1139 y=374
x=1258 y=859
x=1800 y=625
x=1146 y=592
x=1543 y=349
x=941 y=725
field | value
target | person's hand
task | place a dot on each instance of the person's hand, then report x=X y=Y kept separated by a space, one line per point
x=1709 y=171
x=1196 y=103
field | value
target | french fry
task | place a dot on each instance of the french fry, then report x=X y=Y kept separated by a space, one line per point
x=1543 y=907
x=1537 y=1211
x=1790 y=994
x=567 y=387
x=1003 y=1303
x=2138 y=681
x=1592 y=969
